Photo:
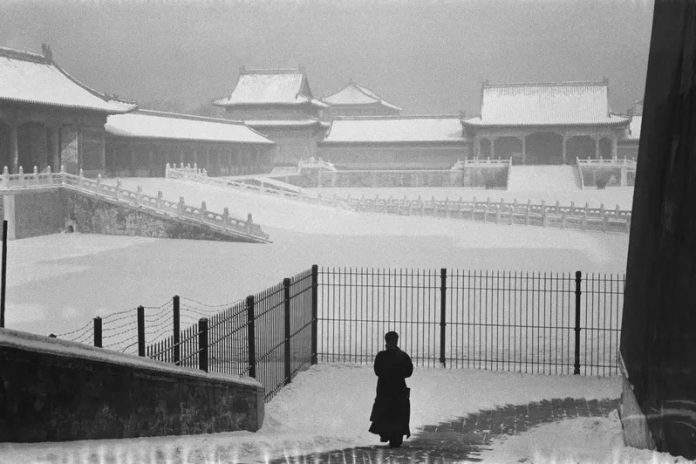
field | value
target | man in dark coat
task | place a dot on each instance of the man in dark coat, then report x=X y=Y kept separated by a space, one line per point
x=392 y=409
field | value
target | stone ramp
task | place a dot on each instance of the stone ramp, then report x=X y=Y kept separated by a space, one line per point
x=463 y=439
x=535 y=178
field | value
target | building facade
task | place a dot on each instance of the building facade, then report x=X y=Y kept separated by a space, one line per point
x=278 y=104
x=142 y=142
x=356 y=100
x=546 y=123
x=48 y=118
x=398 y=142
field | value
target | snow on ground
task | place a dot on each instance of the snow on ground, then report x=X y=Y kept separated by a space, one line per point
x=610 y=197
x=595 y=440
x=328 y=407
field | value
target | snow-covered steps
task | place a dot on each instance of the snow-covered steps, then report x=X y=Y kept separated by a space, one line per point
x=543 y=178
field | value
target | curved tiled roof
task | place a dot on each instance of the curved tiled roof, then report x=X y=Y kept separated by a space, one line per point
x=161 y=125
x=568 y=103
x=354 y=94
x=270 y=87
x=395 y=129
x=34 y=79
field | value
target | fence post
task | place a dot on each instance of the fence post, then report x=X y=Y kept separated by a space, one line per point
x=177 y=328
x=443 y=315
x=98 y=332
x=286 y=298
x=203 y=344
x=315 y=310
x=578 y=292
x=141 y=331
x=251 y=336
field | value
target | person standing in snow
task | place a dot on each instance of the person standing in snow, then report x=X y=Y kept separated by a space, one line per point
x=392 y=408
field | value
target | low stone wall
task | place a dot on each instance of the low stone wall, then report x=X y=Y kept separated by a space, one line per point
x=55 y=390
x=98 y=216
x=49 y=210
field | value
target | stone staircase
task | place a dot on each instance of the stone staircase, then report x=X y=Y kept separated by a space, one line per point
x=540 y=178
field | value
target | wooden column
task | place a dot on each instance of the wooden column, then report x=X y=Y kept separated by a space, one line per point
x=564 y=150
x=492 y=155
x=14 y=148
x=596 y=147
x=614 y=146
x=524 y=149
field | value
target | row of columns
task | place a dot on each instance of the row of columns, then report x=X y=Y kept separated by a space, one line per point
x=596 y=139
x=50 y=145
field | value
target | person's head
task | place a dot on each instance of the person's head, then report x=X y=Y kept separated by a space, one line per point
x=391 y=339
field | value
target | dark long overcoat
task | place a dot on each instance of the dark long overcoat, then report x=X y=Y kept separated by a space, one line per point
x=391 y=411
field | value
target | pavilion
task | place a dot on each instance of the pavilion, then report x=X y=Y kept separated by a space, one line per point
x=278 y=103
x=546 y=123
x=356 y=100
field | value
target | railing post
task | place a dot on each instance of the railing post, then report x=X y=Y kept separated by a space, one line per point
x=443 y=313
x=177 y=328
x=286 y=298
x=315 y=310
x=251 y=336
x=98 y=332
x=141 y=331
x=5 y=177
x=578 y=292
x=203 y=344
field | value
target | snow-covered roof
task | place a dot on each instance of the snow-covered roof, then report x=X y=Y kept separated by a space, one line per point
x=567 y=103
x=354 y=94
x=155 y=124
x=31 y=78
x=270 y=87
x=633 y=132
x=391 y=129
x=285 y=123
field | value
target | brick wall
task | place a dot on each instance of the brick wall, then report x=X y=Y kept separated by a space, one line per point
x=38 y=212
x=54 y=390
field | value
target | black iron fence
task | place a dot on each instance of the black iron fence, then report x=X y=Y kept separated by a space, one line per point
x=551 y=323
x=267 y=336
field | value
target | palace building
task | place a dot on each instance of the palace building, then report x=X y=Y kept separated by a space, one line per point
x=279 y=104
x=551 y=123
x=49 y=118
x=395 y=142
x=140 y=143
x=356 y=100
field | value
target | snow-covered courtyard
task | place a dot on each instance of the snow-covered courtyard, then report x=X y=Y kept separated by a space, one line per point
x=57 y=283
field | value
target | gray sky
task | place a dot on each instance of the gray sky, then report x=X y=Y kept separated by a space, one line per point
x=426 y=56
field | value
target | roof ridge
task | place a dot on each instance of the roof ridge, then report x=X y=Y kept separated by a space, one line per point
x=96 y=93
x=603 y=83
x=23 y=55
x=194 y=117
x=271 y=71
x=386 y=117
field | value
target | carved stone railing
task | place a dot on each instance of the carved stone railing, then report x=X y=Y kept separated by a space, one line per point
x=541 y=214
x=256 y=184
x=602 y=173
x=221 y=222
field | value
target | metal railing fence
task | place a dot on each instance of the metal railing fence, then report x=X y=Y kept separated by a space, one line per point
x=551 y=323
x=533 y=322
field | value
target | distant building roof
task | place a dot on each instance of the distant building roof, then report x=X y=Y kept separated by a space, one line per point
x=270 y=87
x=354 y=94
x=395 y=129
x=161 y=125
x=633 y=133
x=568 y=103
x=36 y=79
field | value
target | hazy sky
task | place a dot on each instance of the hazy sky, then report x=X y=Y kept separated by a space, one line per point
x=426 y=56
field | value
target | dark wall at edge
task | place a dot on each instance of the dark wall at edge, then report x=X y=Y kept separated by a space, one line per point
x=658 y=341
